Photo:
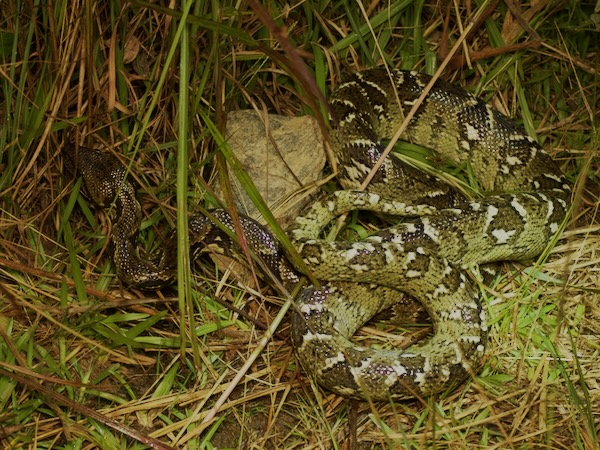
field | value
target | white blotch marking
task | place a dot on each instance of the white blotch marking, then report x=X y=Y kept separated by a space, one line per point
x=471 y=101
x=446 y=372
x=360 y=268
x=434 y=194
x=364 y=365
x=398 y=369
x=397 y=372
x=502 y=236
x=410 y=227
x=429 y=230
x=309 y=337
x=518 y=207
x=308 y=308
x=364 y=246
x=358 y=142
x=458 y=352
x=343 y=101
x=374 y=198
x=348 y=83
x=472 y=339
x=353 y=172
x=390 y=379
x=441 y=289
x=472 y=305
x=472 y=133
x=455 y=315
x=420 y=378
x=417 y=76
x=331 y=362
x=550 y=209
x=491 y=120
x=350 y=254
x=376 y=87
x=553 y=177
x=533 y=151
x=491 y=213
x=393 y=206
x=397 y=239
x=483 y=320
x=346 y=120
x=389 y=256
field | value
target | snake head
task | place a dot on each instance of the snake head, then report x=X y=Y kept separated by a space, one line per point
x=102 y=173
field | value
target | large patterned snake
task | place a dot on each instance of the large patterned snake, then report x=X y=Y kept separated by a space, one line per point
x=526 y=200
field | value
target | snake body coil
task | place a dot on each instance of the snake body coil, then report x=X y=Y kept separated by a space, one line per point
x=525 y=203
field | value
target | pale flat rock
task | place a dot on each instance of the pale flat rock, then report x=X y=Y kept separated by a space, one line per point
x=282 y=156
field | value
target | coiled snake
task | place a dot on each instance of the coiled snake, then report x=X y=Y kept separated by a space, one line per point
x=526 y=201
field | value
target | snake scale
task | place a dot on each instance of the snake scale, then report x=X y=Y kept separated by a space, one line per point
x=525 y=201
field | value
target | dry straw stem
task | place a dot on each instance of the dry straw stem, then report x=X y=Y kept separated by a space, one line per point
x=87 y=363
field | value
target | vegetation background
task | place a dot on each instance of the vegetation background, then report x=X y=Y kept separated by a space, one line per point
x=86 y=363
